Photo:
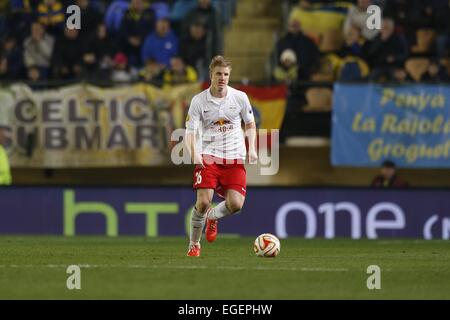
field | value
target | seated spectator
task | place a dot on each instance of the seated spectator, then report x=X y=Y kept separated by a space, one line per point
x=68 y=57
x=435 y=72
x=51 y=14
x=193 y=50
x=38 y=49
x=121 y=71
x=90 y=18
x=387 y=51
x=353 y=69
x=287 y=70
x=353 y=43
x=152 y=72
x=357 y=17
x=179 y=11
x=388 y=177
x=179 y=72
x=19 y=19
x=137 y=23
x=13 y=55
x=98 y=54
x=307 y=53
x=207 y=15
x=161 y=45
x=399 y=74
x=114 y=15
x=34 y=74
x=406 y=14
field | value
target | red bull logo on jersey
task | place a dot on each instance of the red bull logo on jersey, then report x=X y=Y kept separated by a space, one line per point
x=222 y=122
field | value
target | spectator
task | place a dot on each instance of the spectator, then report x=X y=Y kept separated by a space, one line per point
x=38 y=49
x=399 y=74
x=436 y=72
x=161 y=45
x=122 y=72
x=287 y=70
x=193 y=49
x=20 y=19
x=5 y=170
x=406 y=14
x=51 y=15
x=388 y=177
x=179 y=72
x=357 y=17
x=114 y=15
x=137 y=23
x=14 y=58
x=207 y=15
x=68 y=57
x=98 y=54
x=306 y=51
x=152 y=72
x=90 y=18
x=353 y=43
x=387 y=51
x=179 y=11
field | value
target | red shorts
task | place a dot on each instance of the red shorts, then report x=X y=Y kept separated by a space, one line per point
x=221 y=175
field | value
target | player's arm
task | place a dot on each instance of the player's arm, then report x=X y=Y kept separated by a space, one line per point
x=196 y=157
x=250 y=129
x=192 y=123
x=250 y=133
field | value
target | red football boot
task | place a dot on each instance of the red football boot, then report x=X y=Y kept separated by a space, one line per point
x=194 y=250
x=211 y=230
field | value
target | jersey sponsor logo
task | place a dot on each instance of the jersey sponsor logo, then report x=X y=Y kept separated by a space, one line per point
x=222 y=122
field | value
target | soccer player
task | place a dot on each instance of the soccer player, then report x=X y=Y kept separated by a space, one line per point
x=216 y=143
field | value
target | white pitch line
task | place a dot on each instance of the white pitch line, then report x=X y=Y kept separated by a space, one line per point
x=188 y=267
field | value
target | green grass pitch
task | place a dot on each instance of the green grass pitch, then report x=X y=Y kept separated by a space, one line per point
x=34 y=267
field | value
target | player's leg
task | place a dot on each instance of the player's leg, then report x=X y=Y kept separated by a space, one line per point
x=233 y=185
x=198 y=218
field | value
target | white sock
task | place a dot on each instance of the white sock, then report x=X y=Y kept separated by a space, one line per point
x=197 y=224
x=219 y=211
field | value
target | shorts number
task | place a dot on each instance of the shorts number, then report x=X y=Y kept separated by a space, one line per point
x=198 y=176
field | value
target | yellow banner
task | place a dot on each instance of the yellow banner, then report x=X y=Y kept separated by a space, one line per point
x=89 y=126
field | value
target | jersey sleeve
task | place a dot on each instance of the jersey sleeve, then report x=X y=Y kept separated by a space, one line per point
x=247 y=111
x=193 y=116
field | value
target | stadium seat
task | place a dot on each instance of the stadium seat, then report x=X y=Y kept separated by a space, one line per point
x=318 y=100
x=416 y=67
x=331 y=40
x=425 y=40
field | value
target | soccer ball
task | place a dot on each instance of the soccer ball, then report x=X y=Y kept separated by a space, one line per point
x=267 y=245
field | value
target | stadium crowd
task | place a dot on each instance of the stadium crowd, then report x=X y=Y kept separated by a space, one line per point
x=155 y=41
x=330 y=40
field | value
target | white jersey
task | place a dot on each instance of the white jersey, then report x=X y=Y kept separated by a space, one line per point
x=220 y=133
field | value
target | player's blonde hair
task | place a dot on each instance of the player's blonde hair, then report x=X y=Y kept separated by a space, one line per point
x=219 y=61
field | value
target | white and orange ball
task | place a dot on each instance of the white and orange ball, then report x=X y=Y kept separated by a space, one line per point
x=267 y=245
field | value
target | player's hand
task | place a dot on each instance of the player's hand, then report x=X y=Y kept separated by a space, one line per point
x=252 y=157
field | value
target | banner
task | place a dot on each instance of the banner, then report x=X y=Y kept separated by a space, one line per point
x=408 y=124
x=287 y=212
x=88 y=126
